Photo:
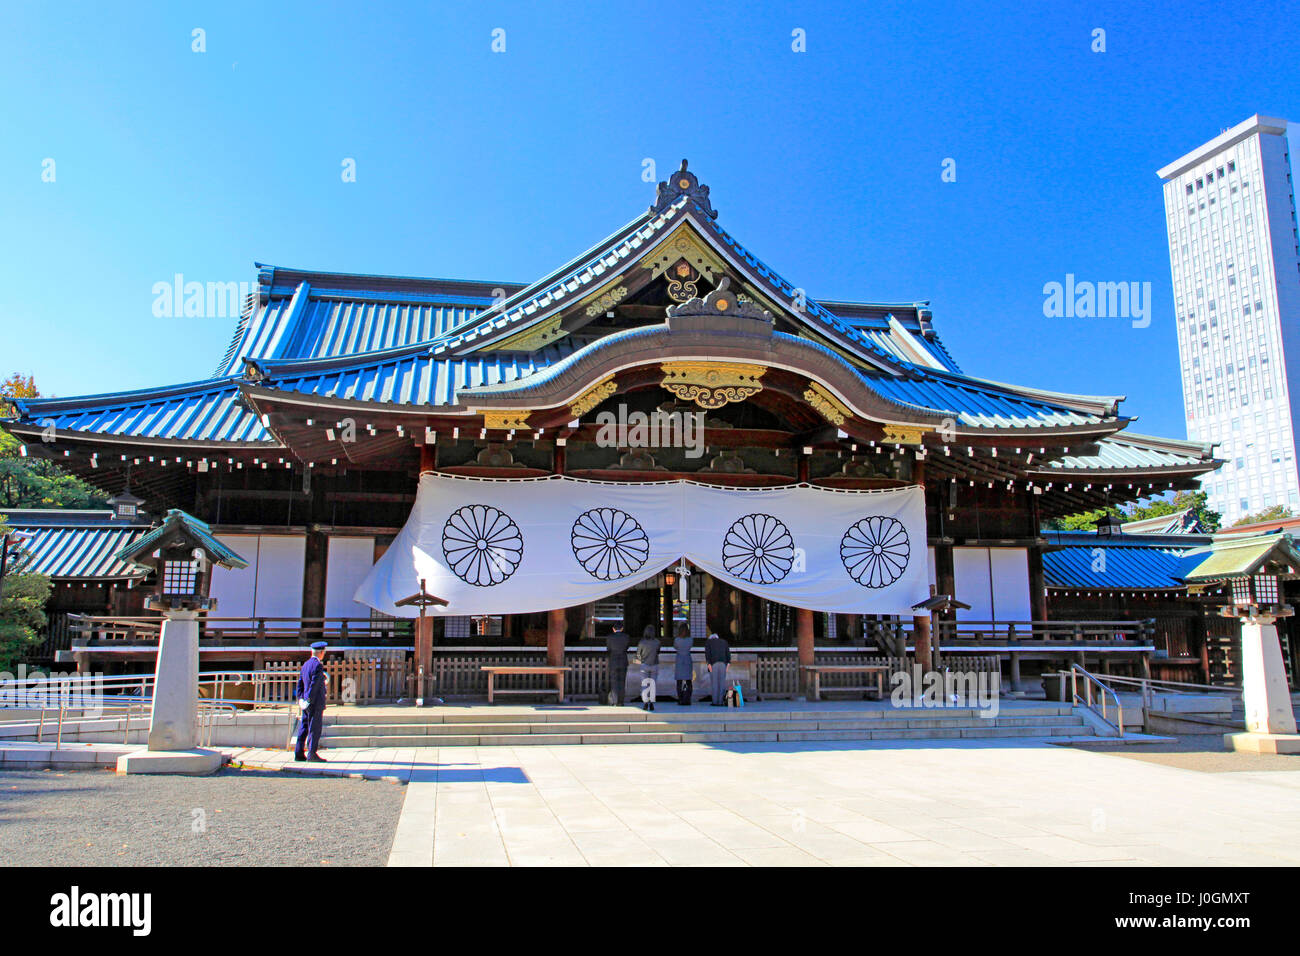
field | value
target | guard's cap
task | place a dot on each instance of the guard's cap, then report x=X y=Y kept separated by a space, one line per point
x=319 y=646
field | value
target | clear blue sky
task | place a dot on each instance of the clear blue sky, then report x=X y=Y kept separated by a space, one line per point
x=472 y=164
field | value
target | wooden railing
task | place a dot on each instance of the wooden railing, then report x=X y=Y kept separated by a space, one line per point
x=1022 y=633
x=260 y=630
x=386 y=673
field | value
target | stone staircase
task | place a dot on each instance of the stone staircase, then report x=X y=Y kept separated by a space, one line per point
x=541 y=726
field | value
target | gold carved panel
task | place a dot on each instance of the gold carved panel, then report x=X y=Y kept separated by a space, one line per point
x=903 y=435
x=710 y=384
x=503 y=418
x=830 y=407
x=592 y=397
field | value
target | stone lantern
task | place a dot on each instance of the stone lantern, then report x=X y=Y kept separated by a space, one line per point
x=1253 y=568
x=181 y=553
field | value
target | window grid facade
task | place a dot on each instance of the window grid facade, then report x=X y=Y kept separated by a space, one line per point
x=1234 y=254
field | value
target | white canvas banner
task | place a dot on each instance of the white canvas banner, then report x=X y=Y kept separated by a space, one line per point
x=517 y=546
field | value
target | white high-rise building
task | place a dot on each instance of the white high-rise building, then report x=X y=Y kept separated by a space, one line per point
x=1235 y=254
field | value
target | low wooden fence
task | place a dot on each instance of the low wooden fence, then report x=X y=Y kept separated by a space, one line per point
x=354 y=681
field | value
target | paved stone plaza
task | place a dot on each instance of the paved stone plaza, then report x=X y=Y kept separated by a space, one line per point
x=975 y=803
x=887 y=803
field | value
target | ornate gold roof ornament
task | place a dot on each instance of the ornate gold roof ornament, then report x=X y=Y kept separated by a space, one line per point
x=683 y=245
x=903 y=435
x=712 y=384
x=722 y=301
x=503 y=418
x=605 y=301
x=830 y=407
x=681 y=282
x=683 y=183
x=592 y=397
x=533 y=338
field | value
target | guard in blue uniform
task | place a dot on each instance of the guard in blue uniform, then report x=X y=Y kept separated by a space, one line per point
x=311 y=688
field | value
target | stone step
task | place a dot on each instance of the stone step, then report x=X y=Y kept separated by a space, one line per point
x=557 y=737
x=725 y=725
x=337 y=718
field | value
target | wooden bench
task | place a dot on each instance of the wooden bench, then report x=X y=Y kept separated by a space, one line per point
x=878 y=670
x=556 y=672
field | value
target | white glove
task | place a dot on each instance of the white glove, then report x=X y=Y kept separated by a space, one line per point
x=303 y=705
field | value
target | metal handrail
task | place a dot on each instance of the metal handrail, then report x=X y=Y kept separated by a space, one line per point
x=1147 y=687
x=134 y=694
x=1091 y=680
x=1172 y=686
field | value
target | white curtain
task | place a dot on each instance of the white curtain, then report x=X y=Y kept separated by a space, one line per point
x=516 y=546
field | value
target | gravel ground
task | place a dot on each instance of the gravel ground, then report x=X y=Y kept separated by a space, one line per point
x=1203 y=752
x=235 y=817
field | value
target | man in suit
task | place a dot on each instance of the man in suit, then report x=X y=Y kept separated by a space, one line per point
x=616 y=646
x=311 y=689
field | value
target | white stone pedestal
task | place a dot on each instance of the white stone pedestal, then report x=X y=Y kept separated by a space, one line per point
x=1270 y=721
x=173 y=728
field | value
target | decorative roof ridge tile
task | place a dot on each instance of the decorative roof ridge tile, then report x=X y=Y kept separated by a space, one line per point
x=619 y=243
x=1206 y=449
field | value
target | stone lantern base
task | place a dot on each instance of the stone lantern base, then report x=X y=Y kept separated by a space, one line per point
x=1263 y=743
x=197 y=762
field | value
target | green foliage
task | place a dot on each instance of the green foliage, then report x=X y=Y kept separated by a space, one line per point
x=1274 y=513
x=31 y=482
x=22 y=615
x=1197 y=501
x=1083 y=521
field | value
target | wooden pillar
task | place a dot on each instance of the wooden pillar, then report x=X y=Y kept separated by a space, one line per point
x=428 y=458
x=424 y=656
x=921 y=639
x=557 y=622
x=314 y=568
x=1037 y=585
x=666 y=615
x=803 y=633
x=945 y=573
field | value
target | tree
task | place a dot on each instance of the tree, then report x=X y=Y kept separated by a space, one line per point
x=1275 y=513
x=22 y=615
x=22 y=611
x=36 y=482
x=1083 y=521
x=1196 y=501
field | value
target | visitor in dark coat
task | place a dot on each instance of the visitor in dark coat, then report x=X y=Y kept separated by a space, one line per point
x=616 y=646
x=683 y=665
x=717 y=654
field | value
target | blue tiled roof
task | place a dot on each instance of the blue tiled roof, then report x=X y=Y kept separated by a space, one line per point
x=200 y=412
x=1126 y=452
x=978 y=403
x=1090 y=562
x=972 y=401
x=75 y=547
x=410 y=376
x=331 y=316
